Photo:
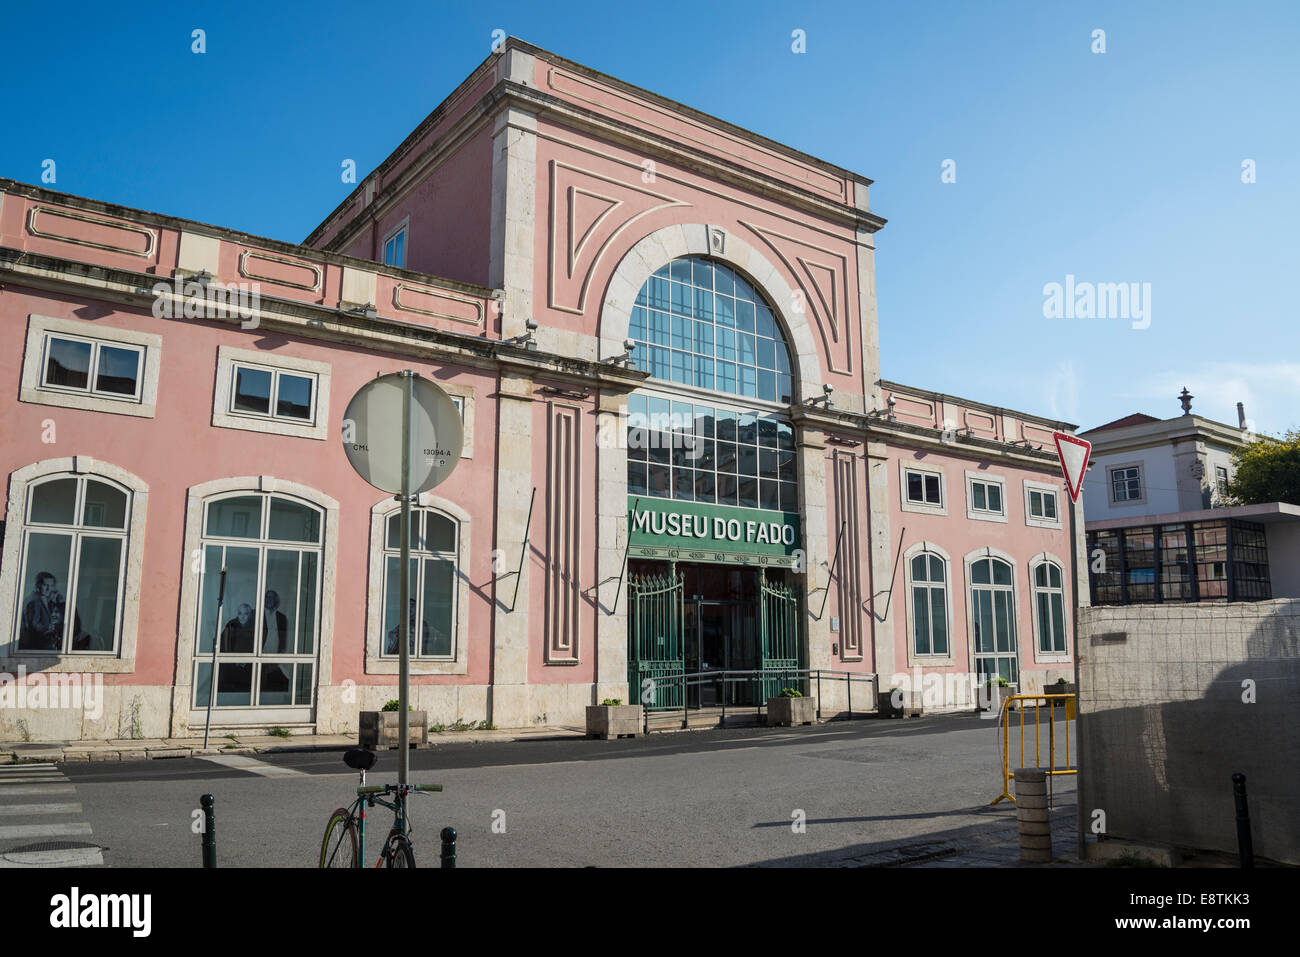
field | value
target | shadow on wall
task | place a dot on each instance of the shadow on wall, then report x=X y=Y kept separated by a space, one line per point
x=1160 y=769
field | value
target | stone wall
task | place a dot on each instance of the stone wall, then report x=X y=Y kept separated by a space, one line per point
x=1176 y=698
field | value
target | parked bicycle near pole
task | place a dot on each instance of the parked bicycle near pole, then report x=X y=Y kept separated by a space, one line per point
x=344 y=844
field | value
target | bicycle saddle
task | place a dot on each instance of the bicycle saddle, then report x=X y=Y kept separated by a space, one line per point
x=359 y=759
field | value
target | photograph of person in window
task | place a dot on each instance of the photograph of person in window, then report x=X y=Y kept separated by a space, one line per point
x=237 y=636
x=275 y=638
x=394 y=634
x=43 y=617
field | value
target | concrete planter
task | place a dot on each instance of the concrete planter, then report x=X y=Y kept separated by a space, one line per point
x=791 y=711
x=613 y=720
x=999 y=695
x=380 y=729
x=886 y=708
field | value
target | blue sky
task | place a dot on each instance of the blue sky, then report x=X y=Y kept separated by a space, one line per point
x=1122 y=166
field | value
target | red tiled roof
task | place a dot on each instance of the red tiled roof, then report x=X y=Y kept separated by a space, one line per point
x=1137 y=418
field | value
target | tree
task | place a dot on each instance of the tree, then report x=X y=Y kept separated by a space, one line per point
x=1267 y=470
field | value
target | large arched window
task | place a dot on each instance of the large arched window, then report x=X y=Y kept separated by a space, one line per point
x=702 y=326
x=929 y=605
x=433 y=584
x=993 y=618
x=270 y=547
x=73 y=558
x=699 y=323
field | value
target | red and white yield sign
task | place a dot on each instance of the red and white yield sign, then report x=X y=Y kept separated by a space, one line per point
x=1073 y=453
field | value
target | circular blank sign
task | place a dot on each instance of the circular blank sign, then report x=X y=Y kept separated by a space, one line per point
x=372 y=433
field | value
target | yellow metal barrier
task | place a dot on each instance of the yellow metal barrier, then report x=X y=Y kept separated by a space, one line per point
x=1037 y=702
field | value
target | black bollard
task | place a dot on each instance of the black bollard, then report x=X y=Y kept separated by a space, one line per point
x=209 y=831
x=1244 y=846
x=448 y=847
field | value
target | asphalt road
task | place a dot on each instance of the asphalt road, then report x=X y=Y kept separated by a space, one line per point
x=703 y=798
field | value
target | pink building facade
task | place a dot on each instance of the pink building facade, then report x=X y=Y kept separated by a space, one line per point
x=738 y=490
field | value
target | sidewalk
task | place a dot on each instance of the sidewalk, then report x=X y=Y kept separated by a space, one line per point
x=140 y=749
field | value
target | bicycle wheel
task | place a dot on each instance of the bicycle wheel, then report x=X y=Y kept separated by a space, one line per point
x=339 y=848
x=398 y=851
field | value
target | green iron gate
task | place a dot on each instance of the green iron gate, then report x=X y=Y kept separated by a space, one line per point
x=657 y=646
x=778 y=608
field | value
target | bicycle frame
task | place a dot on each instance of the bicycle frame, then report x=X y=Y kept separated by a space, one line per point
x=369 y=796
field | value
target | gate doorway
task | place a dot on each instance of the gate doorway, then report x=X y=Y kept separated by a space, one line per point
x=687 y=621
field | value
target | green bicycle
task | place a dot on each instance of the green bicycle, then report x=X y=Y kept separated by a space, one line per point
x=345 y=834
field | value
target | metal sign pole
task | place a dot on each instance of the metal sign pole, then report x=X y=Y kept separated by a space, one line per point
x=216 y=641
x=1078 y=711
x=404 y=654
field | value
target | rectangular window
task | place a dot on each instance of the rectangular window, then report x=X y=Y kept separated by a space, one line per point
x=924 y=488
x=395 y=249
x=1042 y=505
x=1221 y=479
x=986 y=497
x=110 y=370
x=1126 y=484
x=272 y=393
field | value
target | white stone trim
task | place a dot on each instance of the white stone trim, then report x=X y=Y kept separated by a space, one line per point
x=223 y=418
x=34 y=352
x=20 y=480
x=375 y=663
x=932 y=660
x=466 y=394
x=188 y=620
x=673 y=242
x=975 y=514
x=1032 y=486
x=1051 y=657
x=906 y=465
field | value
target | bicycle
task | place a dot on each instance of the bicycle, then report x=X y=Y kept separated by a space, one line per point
x=345 y=834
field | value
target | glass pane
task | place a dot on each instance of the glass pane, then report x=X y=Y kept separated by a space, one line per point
x=252 y=390
x=236 y=517
x=302 y=688
x=918 y=568
x=977 y=496
x=235 y=684
x=985 y=640
x=1001 y=573
x=440 y=533
x=55 y=502
x=915 y=493
x=921 y=620
x=279 y=603
x=439 y=604
x=995 y=498
x=1058 y=622
x=748 y=493
x=979 y=572
x=94 y=623
x=636 y=478
x=936 y=569
x=239 y=610
x=939 y=621
x=119 y=370
x=789 y=497
x=293 y=397
x=394 y=535
x=1006 y=624
x=307 y=604
x=104 y=506
x=932 y=489
x=1044 y=622
x=1055 y=576
x=293 y=522
x=1040 y=576
x=68 y=363
x=45 y=581
x=276 y=686
x=392 y=594
x=1049 y=506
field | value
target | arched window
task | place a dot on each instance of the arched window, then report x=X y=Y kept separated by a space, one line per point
x=1049 y=603
x=433 y=581
x=929 y=605
x=269 y=623
x=73 y=557
x=993 y=617
x=699 y=323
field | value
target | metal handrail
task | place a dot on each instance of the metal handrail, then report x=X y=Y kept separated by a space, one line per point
x=722 y=676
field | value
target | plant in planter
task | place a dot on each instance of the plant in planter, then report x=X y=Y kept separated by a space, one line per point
x=380 y=729
x=612 y=719
x=790 y=707
x=996 y=692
